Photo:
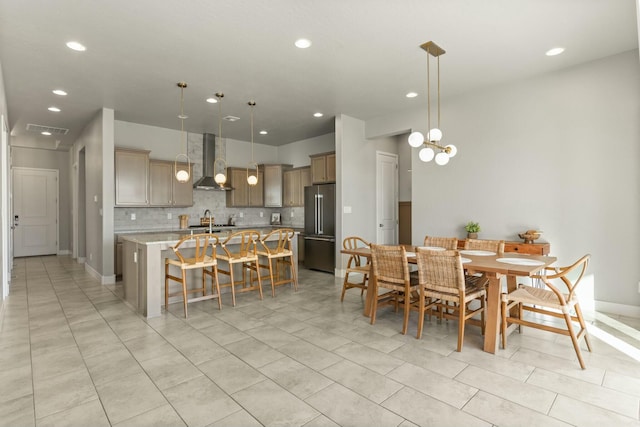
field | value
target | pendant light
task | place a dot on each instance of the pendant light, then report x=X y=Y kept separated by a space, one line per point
x=252 y=178
x=221 y=177
x=416 y=139
x=182 y=173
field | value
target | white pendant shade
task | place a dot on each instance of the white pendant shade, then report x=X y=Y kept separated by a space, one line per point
x=252 y=180
x=426 y=154
x=182 y=176
x=220 y=178
x=442 y=158
x=452 y=150
x=416 y=139
x=435 y=135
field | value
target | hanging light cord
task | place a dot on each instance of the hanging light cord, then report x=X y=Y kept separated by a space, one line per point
x=182 y=117
x=252 y=104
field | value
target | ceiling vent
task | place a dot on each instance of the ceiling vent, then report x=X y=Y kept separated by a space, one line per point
x=231 y=118
x=39 y=128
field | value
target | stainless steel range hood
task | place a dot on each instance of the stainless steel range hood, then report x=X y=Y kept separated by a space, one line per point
x=208 y=170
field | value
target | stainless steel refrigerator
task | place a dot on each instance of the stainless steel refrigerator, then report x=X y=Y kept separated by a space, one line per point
x=320 y=227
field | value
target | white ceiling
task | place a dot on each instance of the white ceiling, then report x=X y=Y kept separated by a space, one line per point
x=365 y=57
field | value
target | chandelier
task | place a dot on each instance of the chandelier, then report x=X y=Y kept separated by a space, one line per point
x=252 y=179
x=432 y=143
x=182 y=173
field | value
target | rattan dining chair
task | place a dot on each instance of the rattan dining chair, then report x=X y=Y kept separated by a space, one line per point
x=551 y=301
x=442 y=280
x=356 y=265
x=240 y=248
x=391 y=272
x=275 y=246
x=450 y=243
x=203 y=258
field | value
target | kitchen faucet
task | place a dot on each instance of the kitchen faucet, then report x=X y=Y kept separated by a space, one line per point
x=208 y=212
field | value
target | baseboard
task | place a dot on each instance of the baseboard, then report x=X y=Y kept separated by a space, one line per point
x=619 y=309
x=81 y=260
x=64 y=252
x=108 y=280
x=93 y=273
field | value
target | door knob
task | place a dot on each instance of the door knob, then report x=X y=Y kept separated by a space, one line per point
x=380 y=225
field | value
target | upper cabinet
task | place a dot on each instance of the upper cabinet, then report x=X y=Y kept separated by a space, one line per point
x=323 y=168
x=294 y=182
x=273 y=185
x=243 y=194
x=164 y=188
x=132 y=177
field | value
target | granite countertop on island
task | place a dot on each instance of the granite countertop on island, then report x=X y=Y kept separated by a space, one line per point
x=170 y=238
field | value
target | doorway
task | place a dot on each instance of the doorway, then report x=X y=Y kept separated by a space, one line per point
x=35 y=211
x=386 y=198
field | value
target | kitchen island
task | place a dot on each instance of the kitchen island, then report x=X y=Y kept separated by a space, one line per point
x=143 y=267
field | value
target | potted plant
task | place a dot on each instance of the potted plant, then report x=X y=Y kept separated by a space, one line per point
x=472 y=229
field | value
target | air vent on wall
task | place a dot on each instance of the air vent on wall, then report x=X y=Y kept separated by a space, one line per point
x=39 y=128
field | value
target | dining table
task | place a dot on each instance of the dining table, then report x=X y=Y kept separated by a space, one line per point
x=494 y=265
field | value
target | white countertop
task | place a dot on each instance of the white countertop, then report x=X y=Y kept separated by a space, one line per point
x=171 y=238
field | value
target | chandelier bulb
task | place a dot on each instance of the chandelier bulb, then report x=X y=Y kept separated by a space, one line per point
x=416 y=139
x=452 y=150
x=442 y=158
x=426 y=154
x=435 y=135
x=252 y=180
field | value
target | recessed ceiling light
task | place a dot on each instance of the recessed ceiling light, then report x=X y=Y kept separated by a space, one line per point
x=212 y=100
x=263 y=132
x=76 y=46
x=46 y=133
x=59 y=92
x=303 y=43
x=54 y=109
x=318 y=114
x=555 y=51
x=411 y=95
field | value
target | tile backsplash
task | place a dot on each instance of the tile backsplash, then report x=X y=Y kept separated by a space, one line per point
x=215 y=201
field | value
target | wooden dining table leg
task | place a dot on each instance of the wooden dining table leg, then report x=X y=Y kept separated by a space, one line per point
x=371 y=291
x=512 y=285
x=493 y=313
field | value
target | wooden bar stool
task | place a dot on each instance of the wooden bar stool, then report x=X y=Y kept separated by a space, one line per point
x=240 y=248
x=277 y=246
x=202 y=258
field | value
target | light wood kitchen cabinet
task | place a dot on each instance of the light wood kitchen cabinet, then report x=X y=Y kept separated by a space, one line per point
x=294 y=182
x=131 y=177
x=164 y=188
x=323 y=168
x=243 y=194
x=274 y=185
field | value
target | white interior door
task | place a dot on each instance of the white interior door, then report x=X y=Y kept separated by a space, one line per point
x=35 y=211
x=387 y=198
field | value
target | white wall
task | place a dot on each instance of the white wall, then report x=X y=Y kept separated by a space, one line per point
x=58 y=160
x=98 y=140
x=297 y=153
x=5 y=220
x=558 y=152
x=356 y=178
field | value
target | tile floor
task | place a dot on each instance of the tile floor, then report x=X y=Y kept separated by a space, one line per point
x=73 y=354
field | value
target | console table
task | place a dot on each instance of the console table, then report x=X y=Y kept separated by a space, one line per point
x=521 y=248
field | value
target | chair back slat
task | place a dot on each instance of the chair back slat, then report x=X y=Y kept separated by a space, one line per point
x=485 y=245
x=440 y=270
x=246 y=241
x=277 y=241
x=450 y=243
x=203 y=242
